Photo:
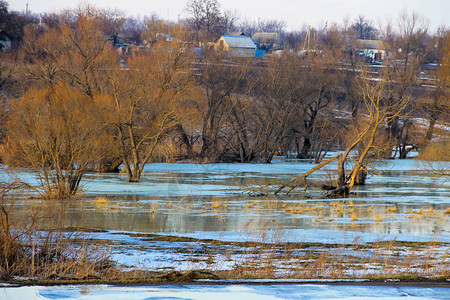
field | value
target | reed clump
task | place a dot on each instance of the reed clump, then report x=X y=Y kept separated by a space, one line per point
x=31 y=253
x=102 y=202
x=27 y=251
x=355 y=212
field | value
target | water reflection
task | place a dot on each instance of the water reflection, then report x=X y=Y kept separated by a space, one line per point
x=189 y=198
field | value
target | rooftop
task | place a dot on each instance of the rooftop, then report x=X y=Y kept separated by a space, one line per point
x=239 y=41
x=369 y=44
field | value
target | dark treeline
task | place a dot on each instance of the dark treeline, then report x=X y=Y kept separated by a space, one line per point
x=74 y=100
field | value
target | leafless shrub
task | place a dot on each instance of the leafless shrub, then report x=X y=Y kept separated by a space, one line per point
x=29 y=252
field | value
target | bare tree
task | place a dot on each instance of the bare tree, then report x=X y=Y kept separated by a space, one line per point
x=321 y=81
x=407 y=51
x=364 y=28
x=54 y=132
x=205 y=19
x=78 y=53
x=440 y=105
x=8 y=70
x=221 y=81
x=229 y=20
x=12 y=24
x=133 y=29
x=380 y=110
x=282 y=103
x=147 y=98
x=155 y=29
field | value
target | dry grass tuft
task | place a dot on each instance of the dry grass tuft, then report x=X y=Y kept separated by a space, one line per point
x=354 y=216
x=30 y=252
x=217 y=205
x=391 y=209
x=102 y=202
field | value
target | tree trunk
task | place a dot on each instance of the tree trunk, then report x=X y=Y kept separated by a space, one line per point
x=430 y=130
x=133 y=175
x=268 y=156
x=305 y=152
x=341 y=180
x=185 y=140
x=133 y=172
x=109 y=166
x=361 y=176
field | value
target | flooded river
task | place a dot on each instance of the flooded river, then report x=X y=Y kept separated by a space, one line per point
x=208 y=201
x=169 y=219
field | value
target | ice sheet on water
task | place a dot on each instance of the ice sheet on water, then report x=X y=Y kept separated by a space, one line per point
x=219 y=292
x=156 y=254
x=319 y=236
x=189 y=179
x=191 y=189
x=60 y=293
x=116 y=187
x=277 y=167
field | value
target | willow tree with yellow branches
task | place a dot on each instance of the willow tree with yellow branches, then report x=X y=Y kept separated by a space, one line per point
x=374 y=93
x=147 y=99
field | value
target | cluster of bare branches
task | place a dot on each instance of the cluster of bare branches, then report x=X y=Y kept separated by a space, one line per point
x=74 y=104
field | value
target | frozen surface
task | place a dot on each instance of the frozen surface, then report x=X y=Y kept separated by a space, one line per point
x=187 y=179
x=322 y=236
x=207 y=201
x=219 y=292
x=133 y=250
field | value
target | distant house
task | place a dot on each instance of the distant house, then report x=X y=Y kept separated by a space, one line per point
x=237 y=46
x=372 y=50
x=237 y=33
x=268 y=41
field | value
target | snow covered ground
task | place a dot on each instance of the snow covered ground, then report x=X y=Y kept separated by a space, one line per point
x=226 y=292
